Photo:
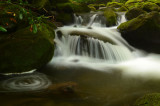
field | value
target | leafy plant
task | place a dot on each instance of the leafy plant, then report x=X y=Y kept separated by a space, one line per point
x=16 y=12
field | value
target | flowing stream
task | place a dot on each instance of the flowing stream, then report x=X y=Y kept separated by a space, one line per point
x=92 y=66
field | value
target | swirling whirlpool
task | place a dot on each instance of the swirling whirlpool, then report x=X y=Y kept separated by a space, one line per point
x=30 y=82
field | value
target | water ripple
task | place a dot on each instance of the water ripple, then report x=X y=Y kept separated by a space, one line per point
x=30 y=82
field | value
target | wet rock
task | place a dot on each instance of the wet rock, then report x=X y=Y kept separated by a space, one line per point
x=133 y=13
x=63 y=88
x=143 y=32
x=148 y=100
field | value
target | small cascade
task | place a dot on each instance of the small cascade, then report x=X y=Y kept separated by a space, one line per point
x=122 y=18
x=93 y=40
x=93 y=20
x=90 y=47
x=77 y=20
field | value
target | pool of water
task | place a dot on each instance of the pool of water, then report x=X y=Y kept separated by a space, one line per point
x=68 y=86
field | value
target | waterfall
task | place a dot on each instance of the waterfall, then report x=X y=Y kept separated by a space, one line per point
x=103 y=49
x=92 y=40
x=90 y=47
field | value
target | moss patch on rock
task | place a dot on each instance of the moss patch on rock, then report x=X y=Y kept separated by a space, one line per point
x=133 y=13
x=149 y=100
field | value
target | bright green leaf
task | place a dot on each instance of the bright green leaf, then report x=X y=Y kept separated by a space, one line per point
x=3 y=29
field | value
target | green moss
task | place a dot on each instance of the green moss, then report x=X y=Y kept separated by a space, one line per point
x=122 y=9
x=134 y=3
x=149 y=6
x=111 y=17
x=149 y=100
x=93 y=7
x=114 y=4
x=133 y=13
x=143 y=31
x=149 y=20
x=155 y=1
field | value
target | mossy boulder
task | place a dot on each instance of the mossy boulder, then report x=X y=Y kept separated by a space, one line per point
x=134 y=3
x=23 y=50
x=114 y=4
x=149 y=100
x=111 y=17
x=149 y=6
x=133 y=13
x=143 y=32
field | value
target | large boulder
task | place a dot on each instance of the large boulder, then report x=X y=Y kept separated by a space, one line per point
x=152 y=99
x=143 y=32
x=23 y=50
x=133 y=13
x=25 y=43
x=111 y=17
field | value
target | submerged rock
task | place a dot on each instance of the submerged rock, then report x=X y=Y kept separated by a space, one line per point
x=149 y=100
x=111 y=17
x=133 y=13
x=143 y=32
